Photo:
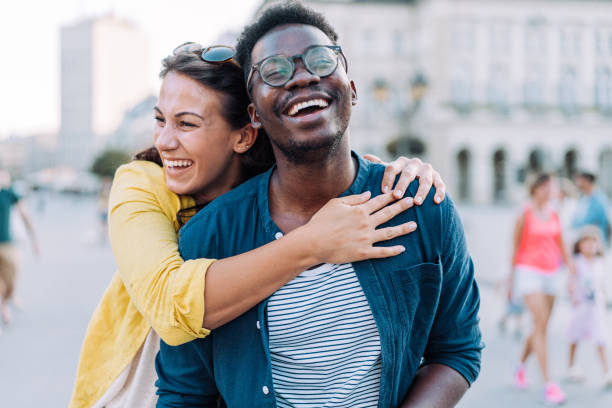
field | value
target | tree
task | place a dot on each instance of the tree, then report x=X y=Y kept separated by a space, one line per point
x=107 y=162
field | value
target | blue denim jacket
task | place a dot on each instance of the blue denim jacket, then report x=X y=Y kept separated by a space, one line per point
x=425 y=302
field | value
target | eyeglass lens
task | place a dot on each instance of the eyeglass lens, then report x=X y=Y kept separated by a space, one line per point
x=187 y=47
x=278 y=69
x=218 y=54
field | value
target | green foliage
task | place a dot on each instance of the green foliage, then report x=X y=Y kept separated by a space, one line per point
x=107 y=162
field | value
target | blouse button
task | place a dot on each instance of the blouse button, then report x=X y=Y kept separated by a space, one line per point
x=258 y=325
x=265 y=390
x=278 y=235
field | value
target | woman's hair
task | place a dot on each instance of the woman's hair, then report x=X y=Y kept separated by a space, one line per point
x=227 y=79
x=589 y=232
x=538 y=181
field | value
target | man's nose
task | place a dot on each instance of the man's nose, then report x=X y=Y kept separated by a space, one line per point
x=301 y=77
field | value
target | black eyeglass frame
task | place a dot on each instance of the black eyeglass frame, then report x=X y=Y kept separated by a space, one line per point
x=255 y=67
x=200 y=50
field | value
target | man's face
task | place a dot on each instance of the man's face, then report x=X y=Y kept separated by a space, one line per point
x=310 y=133
x=583 y=184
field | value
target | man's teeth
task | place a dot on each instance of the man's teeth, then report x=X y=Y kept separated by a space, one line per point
x=321 y=103
x=178 y=163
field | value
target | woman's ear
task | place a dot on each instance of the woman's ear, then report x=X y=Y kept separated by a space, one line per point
x=354 y=97
x=254 y=116
x=245 y=138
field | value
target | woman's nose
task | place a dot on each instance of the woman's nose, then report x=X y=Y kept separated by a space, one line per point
x=166 y=138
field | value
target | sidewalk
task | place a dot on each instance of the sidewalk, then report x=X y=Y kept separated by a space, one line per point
x=494 y=387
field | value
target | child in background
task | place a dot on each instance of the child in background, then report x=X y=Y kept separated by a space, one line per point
x=513 y=312
x=588 y=321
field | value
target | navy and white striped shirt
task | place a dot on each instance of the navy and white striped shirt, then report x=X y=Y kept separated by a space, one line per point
x=324 y=343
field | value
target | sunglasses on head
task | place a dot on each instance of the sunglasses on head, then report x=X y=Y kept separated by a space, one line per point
x=277 y=70
x=214 y=54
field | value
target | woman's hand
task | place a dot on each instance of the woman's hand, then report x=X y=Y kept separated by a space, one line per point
x=345 y=229
x=409 y=169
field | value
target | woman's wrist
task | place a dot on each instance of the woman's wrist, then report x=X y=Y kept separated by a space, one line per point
x=302 y=247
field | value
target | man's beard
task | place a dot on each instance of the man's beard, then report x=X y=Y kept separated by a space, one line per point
x=310 y=151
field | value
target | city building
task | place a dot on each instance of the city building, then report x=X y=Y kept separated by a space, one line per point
x=489 y=91
x=104 y=61
x=23 y=154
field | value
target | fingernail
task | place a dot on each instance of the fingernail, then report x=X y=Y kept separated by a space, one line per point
x=385 y=189
x=398 y=193
x=409 y=200
x=402 y=249
x=418 y=200
x=413 y=226
x=438 y=199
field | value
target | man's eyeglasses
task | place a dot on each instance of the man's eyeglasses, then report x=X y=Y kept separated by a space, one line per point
x=216 y=53
x=277 y=70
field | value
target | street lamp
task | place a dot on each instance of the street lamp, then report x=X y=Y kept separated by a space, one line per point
x=407 y=141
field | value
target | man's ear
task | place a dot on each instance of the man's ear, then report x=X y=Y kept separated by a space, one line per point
x=354 y=97
x=245 y=138
x=254 y=116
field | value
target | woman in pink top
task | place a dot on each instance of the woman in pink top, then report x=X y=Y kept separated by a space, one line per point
x=537 y=257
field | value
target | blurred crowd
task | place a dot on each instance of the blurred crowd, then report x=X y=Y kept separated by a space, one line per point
x=564 y=226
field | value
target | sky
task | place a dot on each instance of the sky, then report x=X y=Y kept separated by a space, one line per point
x=29 y=46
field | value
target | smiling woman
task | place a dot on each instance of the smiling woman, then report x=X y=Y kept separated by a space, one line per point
x=205 y=145
x=194 y=139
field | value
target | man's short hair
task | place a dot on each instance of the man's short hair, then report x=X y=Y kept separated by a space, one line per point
x=292 y=12
x=590 y=177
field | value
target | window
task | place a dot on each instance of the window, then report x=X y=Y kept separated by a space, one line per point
x=499 y=38
x=497 y=89
x=535 y=37
x=533 y=88
x=603 y=90
x=567 y=91
x=462 y=36
x=571 y=41
x=398 y=43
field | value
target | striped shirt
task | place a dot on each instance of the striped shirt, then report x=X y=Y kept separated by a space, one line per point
x=324 y=343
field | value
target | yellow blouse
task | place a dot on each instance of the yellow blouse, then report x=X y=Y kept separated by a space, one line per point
x=153 y=288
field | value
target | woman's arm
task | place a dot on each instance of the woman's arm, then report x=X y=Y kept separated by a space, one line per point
x=172 y=295
x=167 y=291
x=516 y=241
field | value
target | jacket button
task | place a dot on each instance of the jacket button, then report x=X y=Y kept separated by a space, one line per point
x=265 y=390
x=278 y=235
x=258 y=325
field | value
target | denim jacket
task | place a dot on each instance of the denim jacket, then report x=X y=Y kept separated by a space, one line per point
x=424 y=301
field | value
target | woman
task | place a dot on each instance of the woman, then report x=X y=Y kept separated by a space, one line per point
x=536 y=261
x=206 y=145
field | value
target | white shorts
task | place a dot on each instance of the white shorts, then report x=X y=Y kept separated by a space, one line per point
x=529 y=280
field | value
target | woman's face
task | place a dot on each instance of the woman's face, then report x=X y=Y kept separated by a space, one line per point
x=195 y=141
x=543 y=192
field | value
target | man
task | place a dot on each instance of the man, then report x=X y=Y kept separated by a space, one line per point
x=392 y=332
x=8 y=263
x=593 y=205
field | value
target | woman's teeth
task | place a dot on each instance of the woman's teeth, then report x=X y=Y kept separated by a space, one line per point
x=178 y=163
x=321 y=103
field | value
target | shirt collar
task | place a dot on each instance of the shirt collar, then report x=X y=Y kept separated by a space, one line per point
x=357 y=187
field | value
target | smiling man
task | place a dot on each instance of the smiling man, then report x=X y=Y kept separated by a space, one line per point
x=391 y=332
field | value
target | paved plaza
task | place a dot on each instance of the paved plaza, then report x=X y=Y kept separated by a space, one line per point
x=39 y=352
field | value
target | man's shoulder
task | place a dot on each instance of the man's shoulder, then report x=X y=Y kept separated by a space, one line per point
x=427 y=209
x=230 y=206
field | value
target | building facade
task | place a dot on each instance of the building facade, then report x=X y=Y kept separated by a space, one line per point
x=489 y=91
x=103 y=66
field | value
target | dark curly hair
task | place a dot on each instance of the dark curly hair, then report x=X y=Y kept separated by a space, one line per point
x=291 y=12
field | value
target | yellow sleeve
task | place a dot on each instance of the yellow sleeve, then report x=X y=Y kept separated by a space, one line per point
x=167 y=291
